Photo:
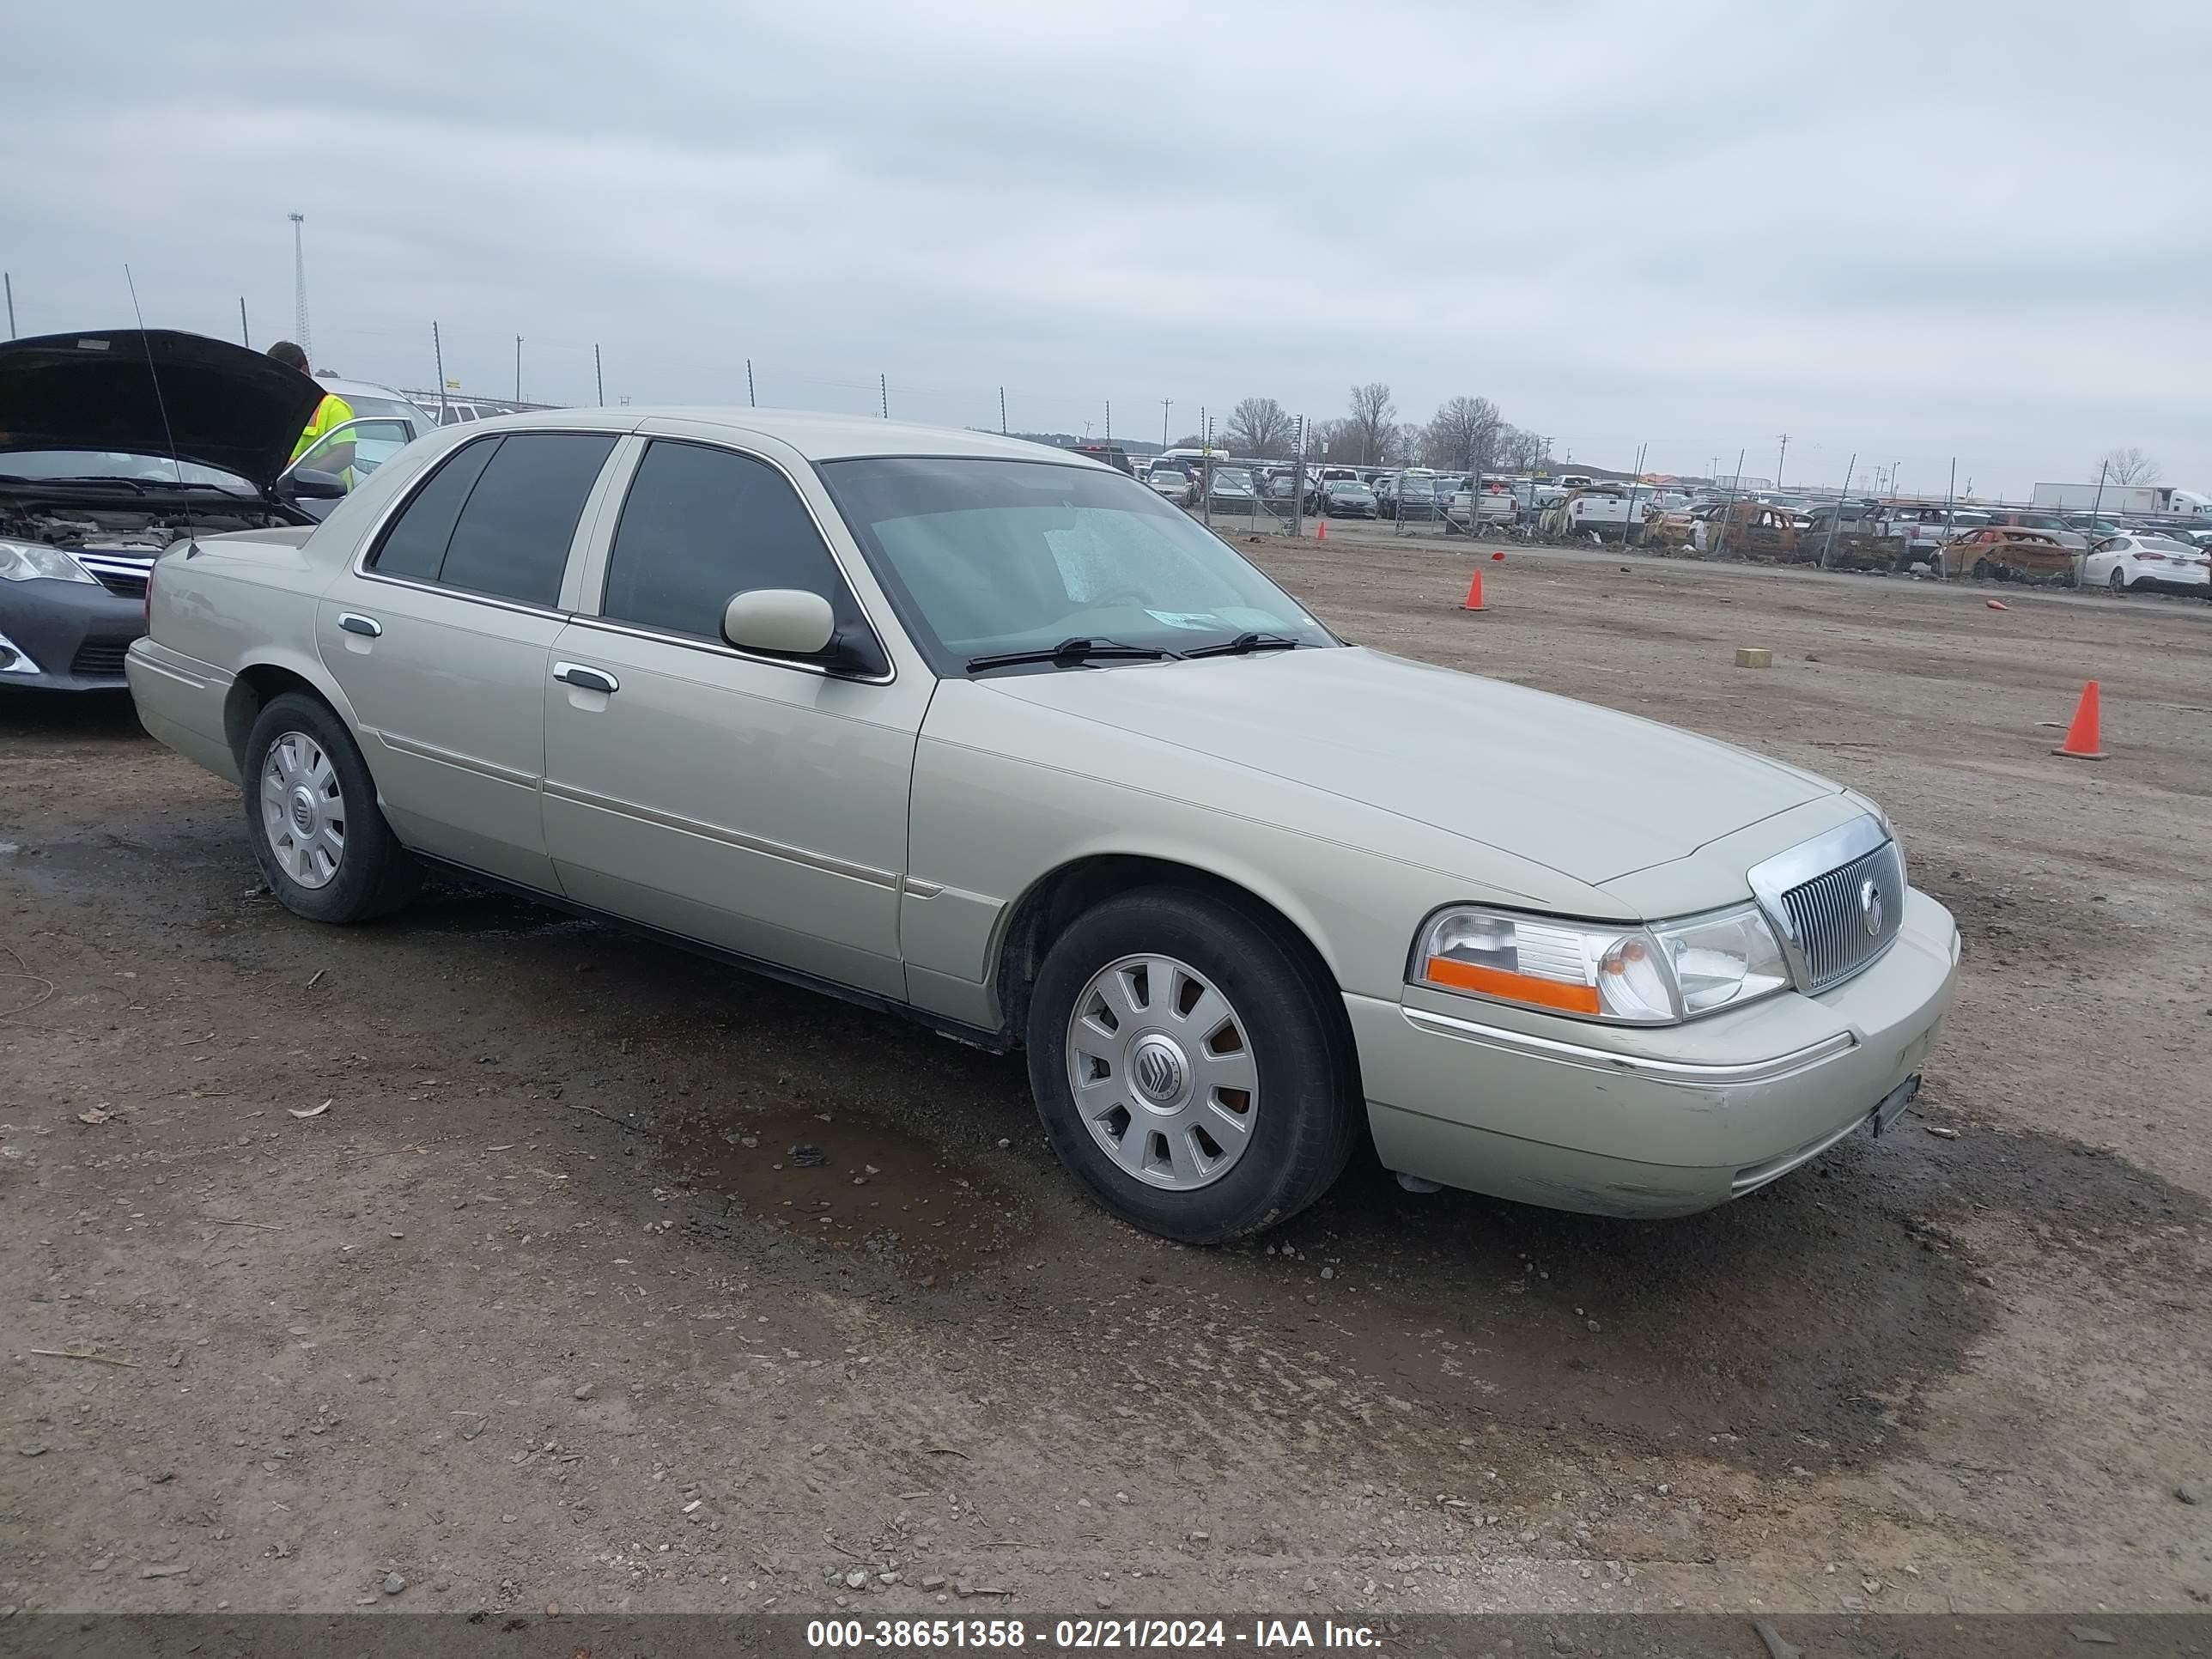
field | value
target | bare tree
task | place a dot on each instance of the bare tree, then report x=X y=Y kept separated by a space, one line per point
x=1462 y=433
x=1259 y=426
x=1194 y=441
x=2128 y=465
x=1373 y=417
x=1512 y=450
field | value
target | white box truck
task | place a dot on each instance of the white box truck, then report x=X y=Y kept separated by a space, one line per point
x=2121 y=498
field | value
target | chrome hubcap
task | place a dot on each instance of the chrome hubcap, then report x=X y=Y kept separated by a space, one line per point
x=1162 y=1071
x=303 y=810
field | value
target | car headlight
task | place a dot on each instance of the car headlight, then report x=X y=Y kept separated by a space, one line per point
x=1636 y=973
x=23 y=562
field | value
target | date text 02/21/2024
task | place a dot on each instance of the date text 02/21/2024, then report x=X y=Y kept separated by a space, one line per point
x=1085 y=1635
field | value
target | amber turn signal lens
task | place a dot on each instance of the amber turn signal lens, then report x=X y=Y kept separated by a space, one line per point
x=1514 y=988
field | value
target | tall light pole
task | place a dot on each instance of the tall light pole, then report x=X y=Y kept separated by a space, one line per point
x=299 y=285
x=1778 y=459
x=517 y=368
x=1166 y=404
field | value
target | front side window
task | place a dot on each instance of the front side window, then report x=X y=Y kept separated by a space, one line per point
x=497 y=517
x=984 y=557
x=703 y=525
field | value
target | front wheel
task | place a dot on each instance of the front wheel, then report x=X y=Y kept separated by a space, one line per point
x=2118 y=581
x=1189 y=1069
x=311 y=812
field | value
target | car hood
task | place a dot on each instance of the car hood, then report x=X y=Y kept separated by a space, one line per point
x=1582 y=790
x=141 y=391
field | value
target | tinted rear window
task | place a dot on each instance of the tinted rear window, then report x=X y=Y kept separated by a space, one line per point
x=513 y=534
x=416 y=544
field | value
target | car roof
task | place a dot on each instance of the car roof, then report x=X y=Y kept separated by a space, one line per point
x=817 y=436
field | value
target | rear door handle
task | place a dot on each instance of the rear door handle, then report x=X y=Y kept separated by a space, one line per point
x=353 y=623
x=586 y=679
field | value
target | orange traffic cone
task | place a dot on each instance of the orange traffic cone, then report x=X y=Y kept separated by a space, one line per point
x=1475 y=595
x=2082 y=736
x=1321 y=530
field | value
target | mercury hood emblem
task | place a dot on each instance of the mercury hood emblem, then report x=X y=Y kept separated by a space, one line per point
x=1870 y=906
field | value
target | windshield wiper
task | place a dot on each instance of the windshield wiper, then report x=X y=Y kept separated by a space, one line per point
x=1070 y=654
x=1244 y=643
x=135 y=486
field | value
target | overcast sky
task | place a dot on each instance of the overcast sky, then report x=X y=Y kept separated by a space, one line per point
x=1969 y=228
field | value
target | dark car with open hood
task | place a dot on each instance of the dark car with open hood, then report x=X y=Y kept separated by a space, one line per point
x=115 y=444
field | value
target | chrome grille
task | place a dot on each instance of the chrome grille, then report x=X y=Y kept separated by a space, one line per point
x=121 y=574
x=1829 y=916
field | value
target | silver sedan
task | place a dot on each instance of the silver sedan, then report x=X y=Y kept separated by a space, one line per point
x=993 y=738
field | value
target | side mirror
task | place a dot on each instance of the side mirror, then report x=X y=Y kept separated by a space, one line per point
x=779 y=621
x=307 y=484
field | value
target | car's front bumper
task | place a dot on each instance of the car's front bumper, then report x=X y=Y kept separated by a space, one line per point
x=1560 y=1113
x=66 y=636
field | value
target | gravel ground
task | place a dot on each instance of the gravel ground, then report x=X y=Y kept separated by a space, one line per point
x=468 y=1260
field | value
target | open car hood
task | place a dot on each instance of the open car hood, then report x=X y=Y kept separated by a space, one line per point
x=226 y=407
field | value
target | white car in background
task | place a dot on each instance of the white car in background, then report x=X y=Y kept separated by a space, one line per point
x=1171 y=483
x=2156 y=564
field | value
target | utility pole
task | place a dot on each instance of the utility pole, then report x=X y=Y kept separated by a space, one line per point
x=244 y=337
x=299 y=285
x=438 y=357
x=884 y=385
x=1166 y=404
x=10 y=280
x=1110 y=420
x=599 y=379
x=517 y=368
x=1778 y=460
x=1002 y=411
x=751 y=401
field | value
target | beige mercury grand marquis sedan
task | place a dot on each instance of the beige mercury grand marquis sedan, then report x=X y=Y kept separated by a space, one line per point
x=992 y=737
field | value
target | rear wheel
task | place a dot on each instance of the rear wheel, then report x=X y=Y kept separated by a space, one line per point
x=1981 y=570
x=1190 y=1070
x=311 y=812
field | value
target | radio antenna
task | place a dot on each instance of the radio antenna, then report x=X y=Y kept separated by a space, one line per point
x=146 y=344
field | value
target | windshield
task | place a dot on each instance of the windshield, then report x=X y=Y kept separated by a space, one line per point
x=113 y=464
x=984 y=557
x=390 y=409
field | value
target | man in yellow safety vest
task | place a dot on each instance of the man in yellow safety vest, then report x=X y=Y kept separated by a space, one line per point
x=332 y=412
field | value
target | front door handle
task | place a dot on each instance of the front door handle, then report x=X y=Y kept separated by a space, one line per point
x=586 y=679
x=353 y=623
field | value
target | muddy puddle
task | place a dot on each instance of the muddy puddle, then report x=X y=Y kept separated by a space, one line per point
x=853 y=1184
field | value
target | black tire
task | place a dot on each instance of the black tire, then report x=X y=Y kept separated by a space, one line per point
x=1310 y=1108
x=2117 y=581
x=375 y=874
x=1982 y=570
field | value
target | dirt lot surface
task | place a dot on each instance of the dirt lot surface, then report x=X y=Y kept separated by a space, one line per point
x=542 y=1307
